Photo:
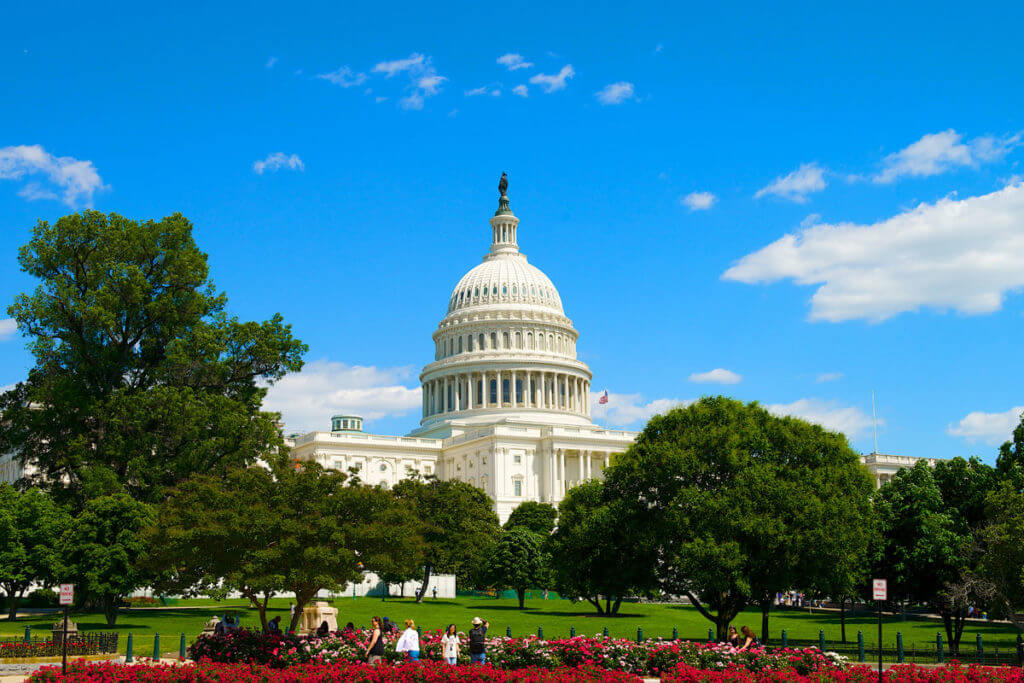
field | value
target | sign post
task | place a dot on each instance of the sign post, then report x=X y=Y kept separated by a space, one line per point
x=67 y=596
x=880 y=593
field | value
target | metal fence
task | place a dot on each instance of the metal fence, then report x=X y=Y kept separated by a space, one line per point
x=972 y=650
x=49 y=646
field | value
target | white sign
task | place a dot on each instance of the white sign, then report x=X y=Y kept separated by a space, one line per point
x=67 y=593
x=879 y=589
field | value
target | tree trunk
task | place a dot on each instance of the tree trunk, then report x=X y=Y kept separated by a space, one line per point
x=615 y=605
x=596 y=602
x=426 y=579
x=521 y=594
x=110 y=608
x=13 y=598
x=842 y=618
x=766 y=608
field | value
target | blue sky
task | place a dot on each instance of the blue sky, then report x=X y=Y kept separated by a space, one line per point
x=815 y=202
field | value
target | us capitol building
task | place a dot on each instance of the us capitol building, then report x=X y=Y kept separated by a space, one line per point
x=506 y=402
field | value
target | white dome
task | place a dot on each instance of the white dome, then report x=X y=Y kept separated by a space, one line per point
x=505 y=279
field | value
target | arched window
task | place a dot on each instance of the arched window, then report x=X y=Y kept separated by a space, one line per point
x=480 y=341
x=513 y=290
x=494 y=340
x=529 y=340
x=476 y=292
x=469 y=343
x=460 y=343
x=519 y=340
x=504 y=290
x=504 y=340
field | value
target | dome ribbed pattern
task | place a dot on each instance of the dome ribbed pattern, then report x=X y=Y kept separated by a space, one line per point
x=505 y=279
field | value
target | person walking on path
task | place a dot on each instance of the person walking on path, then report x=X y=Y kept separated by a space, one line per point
x=450 y=645
x=478 y=641
x=375 y=648
x=409 y=642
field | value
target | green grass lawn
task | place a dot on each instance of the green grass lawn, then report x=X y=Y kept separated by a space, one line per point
x=555 y=616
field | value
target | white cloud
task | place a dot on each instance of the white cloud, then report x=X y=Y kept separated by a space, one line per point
x=344 y=76
x=615 y=93
x=630 y=409
x=796 y=185
x=76 y=181
x=271 y=62
x=828 y=377
x=413 y=62
x=8 y=326
x=849 y=420
x=483 y=90
x=937 y=153
x=278 y=160
x=953 y=254
x=698 y=201
x=991 y=428
x=716 y=376
x=378 y=100
x=306 y=400
x=556 y=82
x=521 y=90
x=424 y=80
x=514 y=61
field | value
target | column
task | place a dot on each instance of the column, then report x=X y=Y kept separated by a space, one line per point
x=561 y=476
x=512 y=389
x=486 y=389
x=590 y=466
x=607 y=459
x=551 y=477
x=472 y=391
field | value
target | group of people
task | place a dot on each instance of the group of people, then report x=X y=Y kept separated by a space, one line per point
x=744 y=639
x=409 y=641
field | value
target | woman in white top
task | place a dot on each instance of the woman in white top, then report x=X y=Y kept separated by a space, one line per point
x=409 y=642
x=450 y=645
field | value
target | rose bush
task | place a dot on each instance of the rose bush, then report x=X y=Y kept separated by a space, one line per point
x=650 y=657
x=418 y=672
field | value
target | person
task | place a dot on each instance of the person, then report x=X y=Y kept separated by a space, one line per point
x=734 y=637
x=478 y=641
x=230 y=626
x=218 y=630
x=349 y=627
x=749 y=639
x=323 y=630
x=450 y=645
x=291 y=610
x=435 y=592
x=375 y=648
x=409 y=642
x=388 y=627
x=274 y=625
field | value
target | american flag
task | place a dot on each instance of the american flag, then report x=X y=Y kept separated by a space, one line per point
x=604 y=398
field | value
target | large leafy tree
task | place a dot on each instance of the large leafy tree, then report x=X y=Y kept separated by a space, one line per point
x=459 y=525
x=517 y=560
x=1010 y=461
x=927 y=547
x=729 y=495
x=140 y=378
x=103 y=550
x=591 y=550
x=1002 y=559
x=536 y=517
x=260 y=532
x=31 y=526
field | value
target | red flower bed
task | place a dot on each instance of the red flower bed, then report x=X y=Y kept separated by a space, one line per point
x=418 y=672
x=905 y=673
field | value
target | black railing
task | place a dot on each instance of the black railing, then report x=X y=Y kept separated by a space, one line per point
x=1000 y=653
x=50 y=646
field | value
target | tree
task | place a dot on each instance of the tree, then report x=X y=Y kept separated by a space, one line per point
x=1002 y=559
x=728 y=496
x=104 y=548
x=459 y=525
x=588 y=547
x=31 y=525
x=260 y=532
x=140 y=376
x=536 y=517
x=1010 y=461
x=926 y=548
x=517 y=560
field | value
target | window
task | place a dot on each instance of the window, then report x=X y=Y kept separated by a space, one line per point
x=476 y=292
x=517 y=487
x=504 y=340
x=505 y=391
x=383 y=467
x=504 y=289
x=427 y=469
x=494 y=391
x=479 y=392
x=485 y=459
x=460 y=344
x=480 y=342
x=513 y=290
x=517 y=459
x=494 y=340
x=519 y=391
x=469 y=343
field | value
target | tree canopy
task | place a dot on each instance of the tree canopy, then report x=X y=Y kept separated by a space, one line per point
x=140 y=377
x=31 y=526
x=731 y=498
x=459 y=525
x=298 y=529
x=517 y=560
x=536 y=517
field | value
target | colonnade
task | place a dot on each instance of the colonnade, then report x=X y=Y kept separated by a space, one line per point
x=559 y=483
x=507 y=389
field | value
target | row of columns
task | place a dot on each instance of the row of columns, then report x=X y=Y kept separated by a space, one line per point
x=536 y=389
x=556 y=470
x=529 y=339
